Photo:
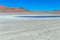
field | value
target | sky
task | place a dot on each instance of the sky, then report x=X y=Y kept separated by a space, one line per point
x=32 y=4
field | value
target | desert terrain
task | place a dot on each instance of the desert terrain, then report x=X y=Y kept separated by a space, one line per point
x=18 y=28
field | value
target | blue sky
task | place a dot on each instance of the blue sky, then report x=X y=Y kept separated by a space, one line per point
x=32 y=4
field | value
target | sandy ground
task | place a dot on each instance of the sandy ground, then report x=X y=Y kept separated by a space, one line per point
x=29 y=29
x=12 y=28
x=28 y=13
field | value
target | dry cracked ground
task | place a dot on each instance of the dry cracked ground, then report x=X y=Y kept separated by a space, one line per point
x=29 y=29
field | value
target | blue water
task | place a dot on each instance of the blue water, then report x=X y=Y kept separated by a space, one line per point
x=38 y=16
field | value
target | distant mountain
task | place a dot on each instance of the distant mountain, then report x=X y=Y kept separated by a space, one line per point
x=57 y=11
x=8 y=9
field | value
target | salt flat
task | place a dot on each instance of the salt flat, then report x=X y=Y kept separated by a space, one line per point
x=14 y=28
x=29 y=29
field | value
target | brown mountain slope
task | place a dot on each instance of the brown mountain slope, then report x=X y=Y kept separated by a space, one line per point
x=5 y=9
